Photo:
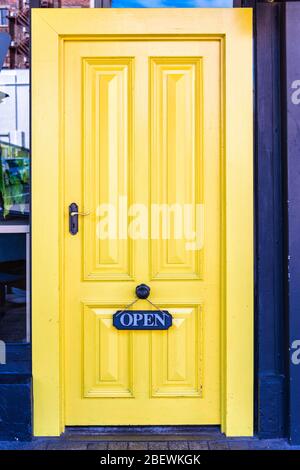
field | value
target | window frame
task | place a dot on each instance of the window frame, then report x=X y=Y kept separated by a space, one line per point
x=4 y=9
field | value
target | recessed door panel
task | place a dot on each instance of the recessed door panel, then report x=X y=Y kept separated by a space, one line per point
x=176 y=153
x=107 y=154
x=108 y=355
x=177 y=362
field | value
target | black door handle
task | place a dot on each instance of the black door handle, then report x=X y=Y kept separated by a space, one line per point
x=73 y=218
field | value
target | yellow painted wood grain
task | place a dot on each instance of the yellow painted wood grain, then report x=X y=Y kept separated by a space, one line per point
x=206 y=372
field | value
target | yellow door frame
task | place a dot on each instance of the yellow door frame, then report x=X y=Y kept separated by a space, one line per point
x=50 y=30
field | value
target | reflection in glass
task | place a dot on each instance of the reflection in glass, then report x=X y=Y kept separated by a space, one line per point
x=172 y=3
x=13 y=287
x=14 y=181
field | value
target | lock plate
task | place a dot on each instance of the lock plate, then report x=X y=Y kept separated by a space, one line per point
x=73 y=218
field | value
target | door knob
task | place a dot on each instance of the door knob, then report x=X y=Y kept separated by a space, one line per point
x=142 y=291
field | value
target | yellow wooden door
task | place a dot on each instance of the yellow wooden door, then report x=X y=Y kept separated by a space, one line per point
x=134 y=109
x=142 y=130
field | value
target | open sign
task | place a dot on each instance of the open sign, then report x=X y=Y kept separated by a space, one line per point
x=142 y=320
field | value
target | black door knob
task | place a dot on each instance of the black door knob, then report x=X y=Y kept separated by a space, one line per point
x=142 y=291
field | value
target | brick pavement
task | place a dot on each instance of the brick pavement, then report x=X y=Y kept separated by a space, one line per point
x=152 y=443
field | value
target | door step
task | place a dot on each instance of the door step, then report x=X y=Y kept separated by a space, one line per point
x=142 y=433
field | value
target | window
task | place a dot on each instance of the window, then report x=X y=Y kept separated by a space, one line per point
x=3 y=17
x=14 y=208
x=14 y=243
x=172 y=3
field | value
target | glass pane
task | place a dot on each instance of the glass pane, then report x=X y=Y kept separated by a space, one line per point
x=13 y=286
x=14 y=182
x=3 y=16
x=172 y=3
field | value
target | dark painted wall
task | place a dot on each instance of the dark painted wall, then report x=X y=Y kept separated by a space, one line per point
x=270 y=310
x=292 y=154
x=269 y=198
x=277 y=204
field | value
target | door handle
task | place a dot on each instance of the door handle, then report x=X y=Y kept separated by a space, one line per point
x=73 y=218
x=79 y=213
